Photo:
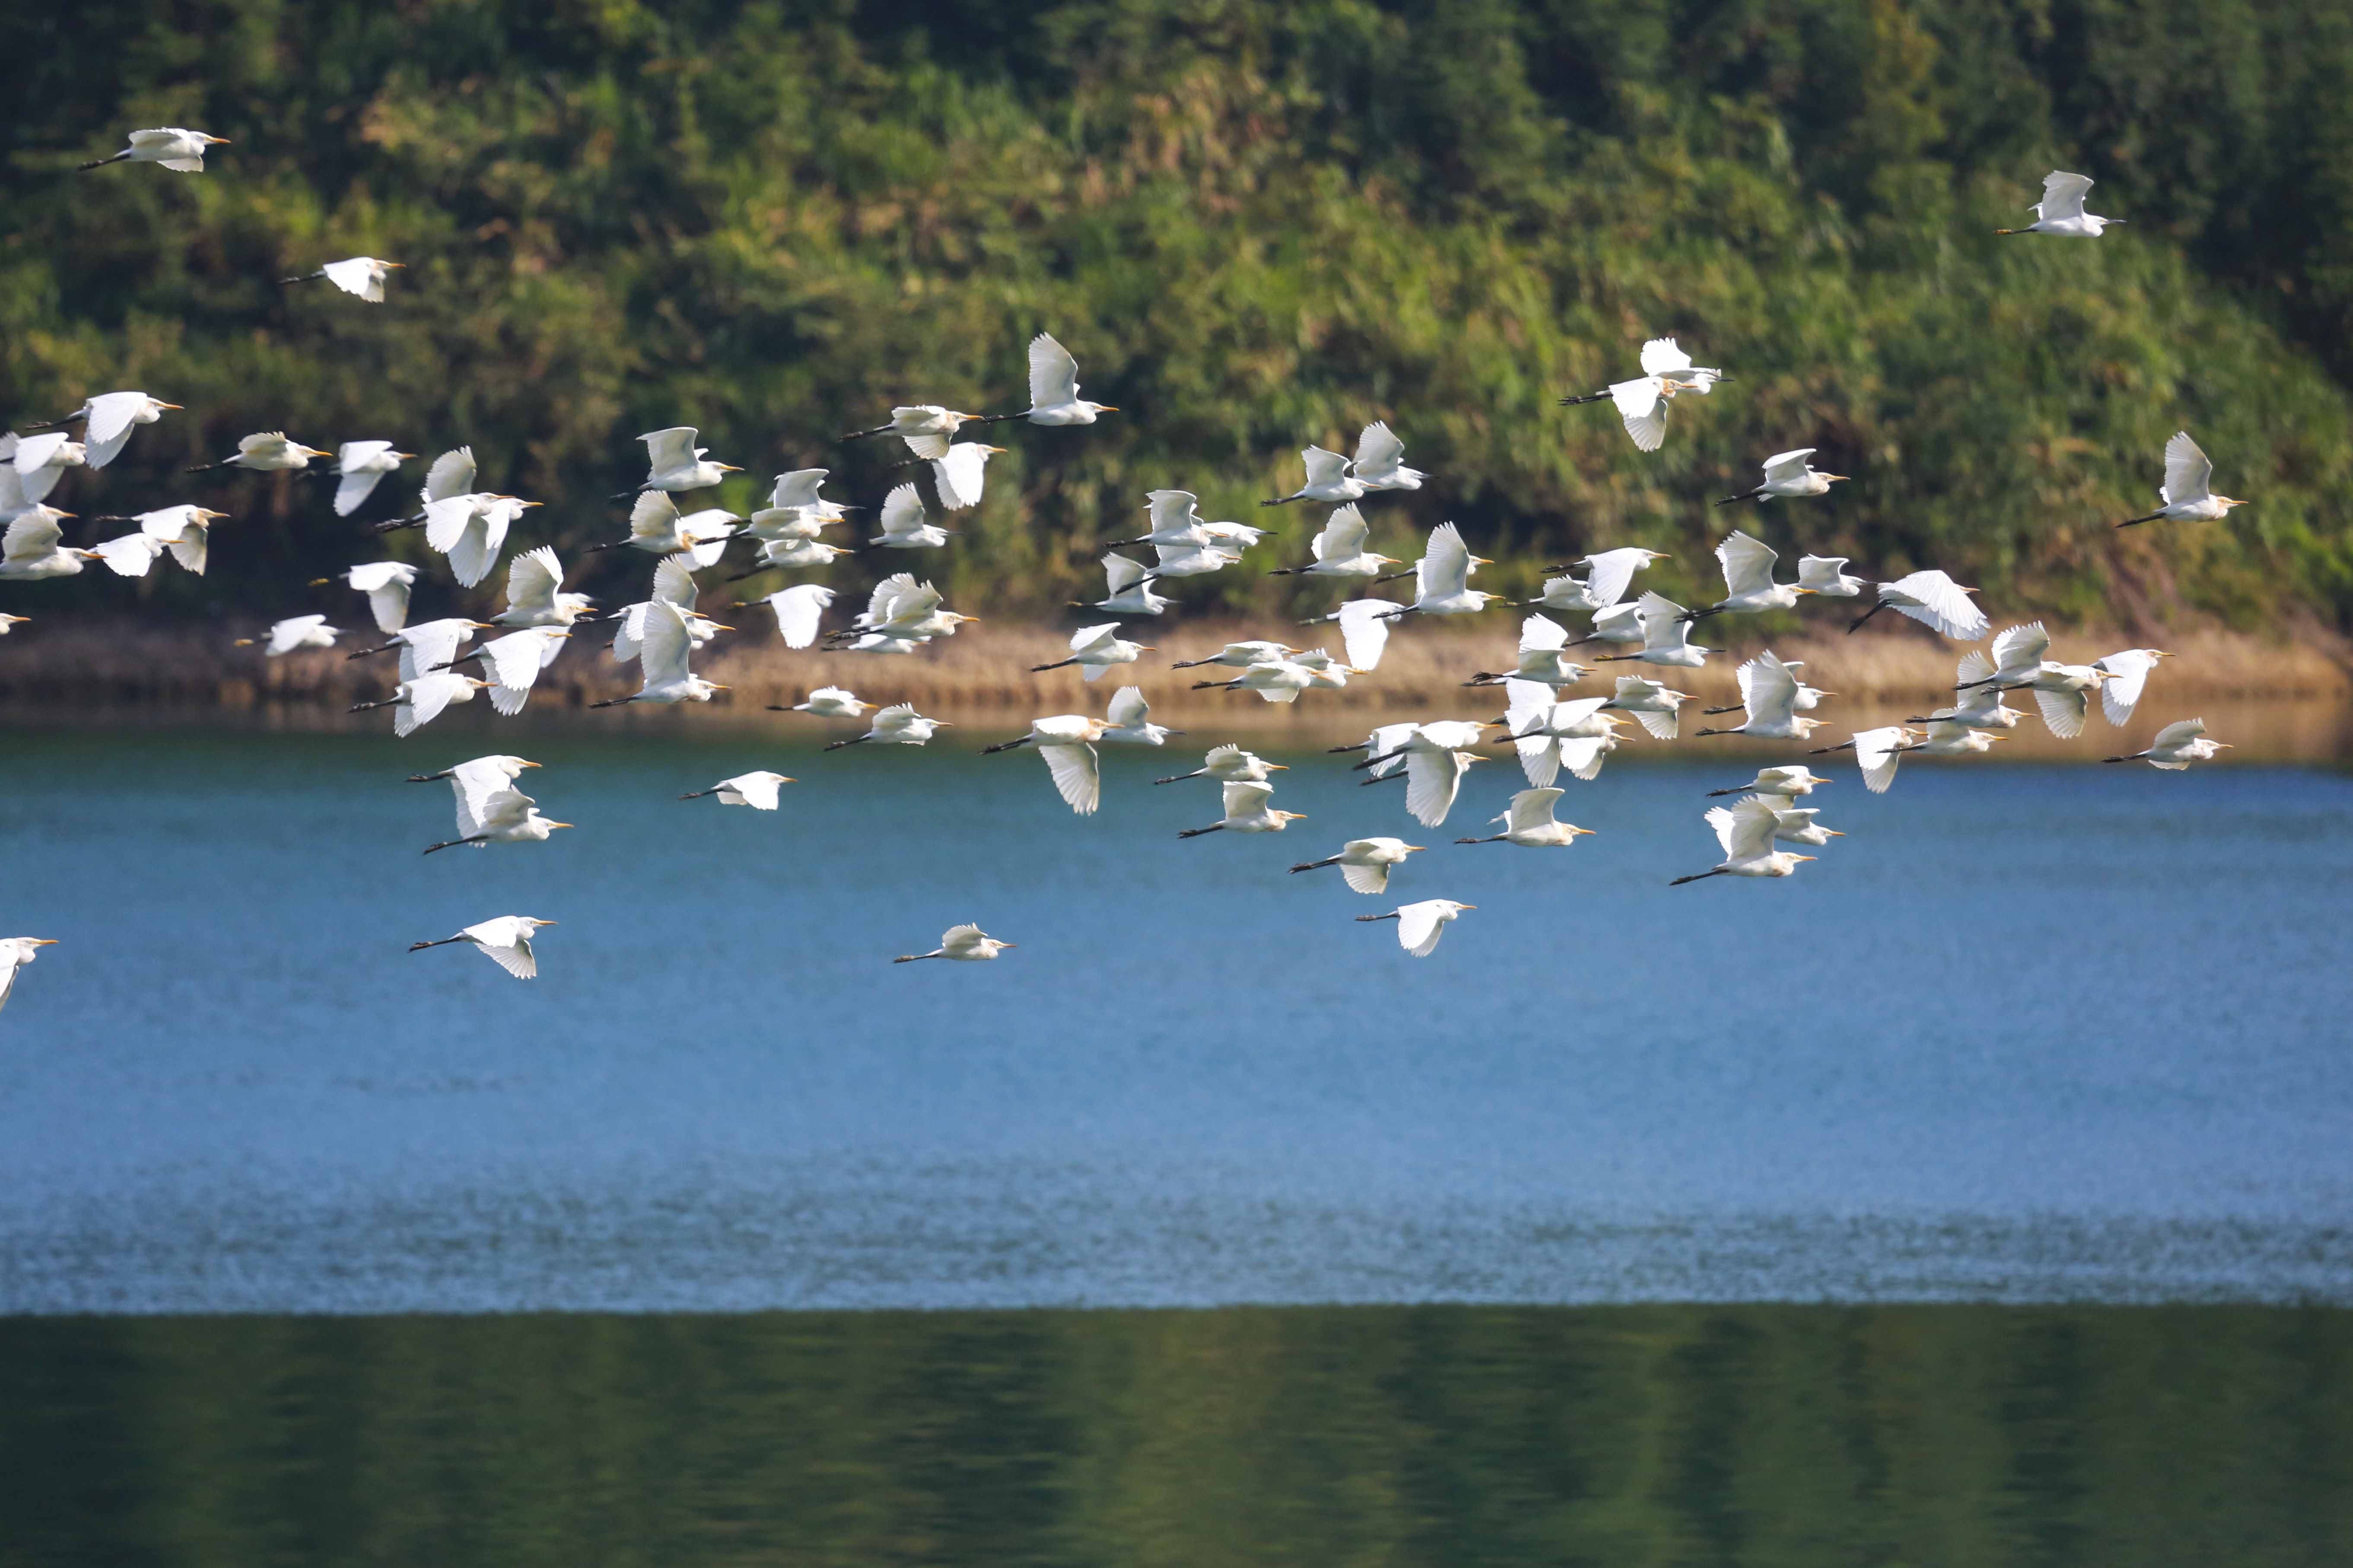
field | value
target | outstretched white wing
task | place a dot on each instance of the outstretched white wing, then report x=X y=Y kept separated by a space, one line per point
x=1542 y=634
x=1531 y=808
x=1644 y=410
x=1445 y=567
x=357 y=276
x=902 y=511
x=1767 y=690
x=961 y=472
x=2063 y=712
x=2127 y=674
x=674 y=581
x=1075 y=776
x=2018 y=651
x=1431 y=779
x=452 y=474
x=128 y=556
x=1747 y=565
x=1244 y=799
x=2189 y=472
x=1934 y=599
x=1053 y=373
x=653 y=520
x=513 y=661
x=2063 y=196
x=428 y=695
x=799 y=609
x=1377 y=448
x=663 y=645
x=1365 y=630
x=1661 y=356
x=1121 y=573
x=1093 y=640
x=2179 y=732
x=112 y=416
x=1343 y=537
x=667 y=449
x=758 y=790
x=532 y=579
x=386 y=583
x=799 y=487
x=1609 y=575
x=1876 y=752
x=1421 y=925
x=1753 y=826
x=510 y=950
x=1783 y=467
x=1128 y=709
x=1323 y=468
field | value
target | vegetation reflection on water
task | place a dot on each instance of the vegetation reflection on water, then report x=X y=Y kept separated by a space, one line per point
x=1809 y=1436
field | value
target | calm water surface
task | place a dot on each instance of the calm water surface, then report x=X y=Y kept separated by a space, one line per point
x=2030 y=1033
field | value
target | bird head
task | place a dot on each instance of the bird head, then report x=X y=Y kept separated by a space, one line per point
x=2227 y=503
x=204 y=515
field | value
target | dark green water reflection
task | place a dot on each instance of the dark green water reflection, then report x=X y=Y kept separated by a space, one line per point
x=2220 y=1437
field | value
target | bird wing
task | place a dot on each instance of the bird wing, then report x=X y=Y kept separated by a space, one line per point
x=1747 y=565
x=759 y=790
x=1120 y=573
x=1222 y=756
x=388 y=602
x=1053 y=373
x=961 y=939
x=1783 y=467
x=504 y=808
x=1934 y=599
x=1661 y=726
x=2127 y=674
x=1244 y=799
x=1539 y=758
x=1444 y=569
x=1171 y=510
x=473 y=783
x=1644 y=410
x=112 y=416
x=1876 y=752
x=1377 y=447
x=1752 y=828
x=674 y=580
x=1089 y=639
x=532 y=579
x=511 y=953
x=424 y=647
x=1609 y=575
x=1365 y=878
x=1662 y=622
x=1323 y=467
x=35 y=451
x=1365 y=630
x=2063 y=196
x=514 y=659
x=663 y=645
x=667 y=449
x=798 y=610
x=1531 y=808
x=1725 y=826
x=653 y=518
x=1075 y=776
x=446 y=521
x=128 y=556
x=1767 y=690
x=1541 y=634
x=891 y=721
x=1421 y=925
x=356 y=275
x=1128 y=709
x=799 y=487
x=903 y=510
x=1584 y=758
x=2018 y=651
x=452 y=474
x=1431 y=779
x=960 y=474
x=1974 y=667
x=2189 y=472
x=882 y=603
x=2179 y=732
x=352 y=490
x=1661 y=356
x=30 y=537
x=288 y=635
x=2063 y=712
x=428 y=695
x=1342 y=536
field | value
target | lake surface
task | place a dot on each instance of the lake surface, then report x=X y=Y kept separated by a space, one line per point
x=2030 y=1033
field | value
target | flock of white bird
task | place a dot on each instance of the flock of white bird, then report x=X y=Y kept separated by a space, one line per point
x=1759 y=833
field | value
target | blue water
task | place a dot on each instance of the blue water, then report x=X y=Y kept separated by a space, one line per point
x=2029 y=1034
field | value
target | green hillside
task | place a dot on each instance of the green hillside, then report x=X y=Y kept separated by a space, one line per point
x=1256 y=226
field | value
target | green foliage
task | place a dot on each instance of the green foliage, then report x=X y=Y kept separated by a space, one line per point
x=1257 y=226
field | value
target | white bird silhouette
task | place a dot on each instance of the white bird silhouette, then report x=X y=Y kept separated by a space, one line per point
x=1642 y=401
x=110 y=418
x=961 y=474
x=673 y=462
x=360 y=467
x=299 y=631
x=1543 y=659
x=180 y=150
x=2060 y=210
x=897 y=725
x=1745 y=831
x=1364 y=862
x=360 y=275
x=1327 y=479
x=1789 y=474
x=905 y=525
x=1379 y=463
x=1067 y=743
x=1876 y=752
x=1933 y=599
x=798 y=611
x=2177 y=746
x=1247 y=810
x=1529 y=823
x=2188 y=494
x=926 y=427
x=505 y=942
x=1666 y=635
x=2128 y=673
x=1127 y=719
x=756 y=790
x=1421 y=925
x=966 y=943
x=15 y=953
x=1339 y=549
x=1229 y=764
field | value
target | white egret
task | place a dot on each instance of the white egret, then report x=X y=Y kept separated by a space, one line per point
x=2188 y=494
x=1980 y=705
x=1642 y=401
x=112 y=416
x=452 y=474
x=185 y=529
x=1442 y=575
x=505 y=942
x=1229 y=764
x=1542 y=659
x=361 y=465
x=1054 y=389
x=796 y=510
x=673 y=585
x=1659 y=707
x=798 y=610
x=657 y=528
x=1746 y=831
x=1067 y=743
x=266 y=451
x=901 y=607
x=1789 y=474
x=663 y=646
x=1379 y=463
x=1364 y=630
x=131 y=554
x=1383 y=751
x=1529 y=823
x=1608 y=576
x=1130 y=587
x=534 y=593
x=471 y=530
x=961 y=474
x=827 y=702
x=1769 y=696
x=1434 y=767
x=926 y=427
x=1128 y=720
x=15 y=953
x=1241 y=654
x=674 y=463
x=1748 y=586
x=756 y=790
x=299 y=631
x=1193 y=560
x=1666 y=635
x=427 y=646
x=1876 y=752
x=1327 y=479
x=499 y=815
x=1791 y=780
x=1933 y=600
x=897 y=725
x=1327 y=670
x=2177 y=746
x=514 y=662
x=792 y=555
x=31 y=548
x=1339 y=549
x=2063 y=691
x=964 y=943
x=1421 y=925
x=360 y=276
x=1795 y=825
x=1275 y=680
x=904 y=524
x=419 y=700
x=40 y=461
x=1947 y=739
x=1247 y=811
x=1827 y=575
x=2128 y=673
x=1621 y=624
x=387 y=585
x=2060 y=210
x=183 y=152
x=1550 y=736
x=1364 y=862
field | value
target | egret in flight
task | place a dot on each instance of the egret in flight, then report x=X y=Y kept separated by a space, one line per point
x=756 y=790
x=2128 y=673
x=1788 y=780
x=1054 y=389
x=514 y=662
x=2060 y=210
x=1529 y=823
x=926 y=427
x=2177 y=746
x=905 y=525
x=799 y=610
x=505 y=942
x=1421 y=925
x=360 y=466
x=1542 y=659
x=534 y=593
x=2188 y=494
x=1933 y=600
x=674 y=463
x=183 y=152
x=1642 y=401
x=663 y=646
x=1241 y=654
x=1876 y=752
x=40 y=461
x=1768 y=694
x=1666 y=635
x=266 y=451
x=1229 y=764
x=1364 y=862
x=112 y=416
x=1748 y=586
x=32 y=547
x=1097 y=649
x=1550 y=736
x=1827 y=575
x=1379 y=463
x=1067 y=743
x=300 y=631
x=1364 y=630
x=1659 y=707
x=1247 y=810
x=1608 y=576
x=1789 y=474
x=961 y=474
x=1327 y=479
x=827 y=702
x=419 y=700
x=1745 y=831
x=360 y=276
x=966 y=943
x=1442 y=577
x=656 y=527
x=17 y=952
x=897 y=725
x=1127 y=719
x=1130 y=586
x=1340 y=549
x=499 y=815
x=1980 y=705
